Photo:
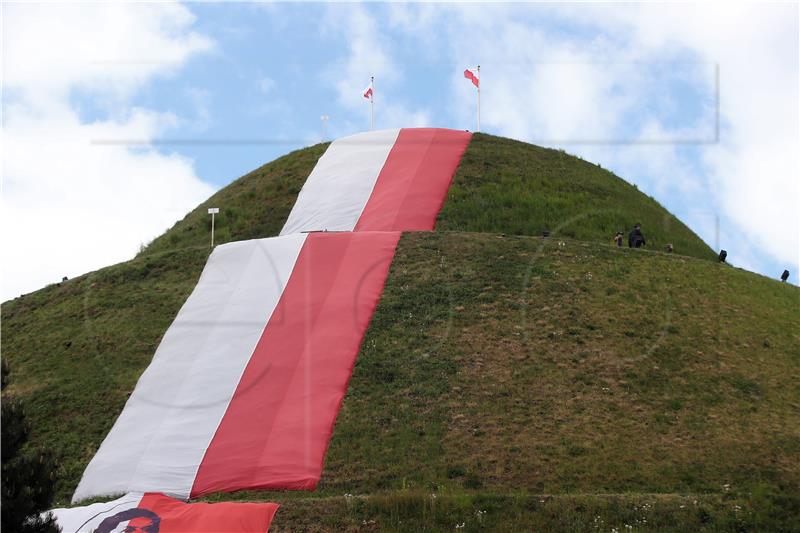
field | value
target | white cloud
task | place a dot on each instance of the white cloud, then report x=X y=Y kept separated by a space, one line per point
x=69 y=203
x=367 y=56
x=755 y=170
x=595 y=72
x=115 y=47
x=265 y=84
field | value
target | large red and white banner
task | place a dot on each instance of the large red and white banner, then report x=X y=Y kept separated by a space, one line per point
x=388 y=180
x=156 y=513
x=245 y=386
x=244 y=389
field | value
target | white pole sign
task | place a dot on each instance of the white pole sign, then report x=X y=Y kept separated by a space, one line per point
x=212 y=211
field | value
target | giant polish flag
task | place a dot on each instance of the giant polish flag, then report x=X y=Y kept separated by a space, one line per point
x=243 y=390
x=156 y=513
x=388 y=180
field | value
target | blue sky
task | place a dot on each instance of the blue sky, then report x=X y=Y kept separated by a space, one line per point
x=268 y=83
x=208 y=92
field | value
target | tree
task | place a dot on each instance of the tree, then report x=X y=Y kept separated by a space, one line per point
x=28 y=476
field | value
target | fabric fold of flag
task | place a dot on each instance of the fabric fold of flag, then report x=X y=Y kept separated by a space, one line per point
x=276 y=430
x=474 y=76
x=245 y=386
x=154 y=512
x=388 y=180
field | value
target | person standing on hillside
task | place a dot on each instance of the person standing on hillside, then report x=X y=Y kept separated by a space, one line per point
x=618 y=239
x=636 y=238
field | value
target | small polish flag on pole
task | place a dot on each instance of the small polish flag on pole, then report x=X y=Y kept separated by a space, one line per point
x=368 y=94
x=474 y=75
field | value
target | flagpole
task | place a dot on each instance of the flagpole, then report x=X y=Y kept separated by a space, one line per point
x=372 y=104
x=479 y=98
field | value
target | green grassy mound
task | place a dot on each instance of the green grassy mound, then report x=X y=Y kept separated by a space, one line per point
x=480 y=511
x=501 y=186
x=552 y=384
x=253 y=206
x=506 y=383
x=517 y=188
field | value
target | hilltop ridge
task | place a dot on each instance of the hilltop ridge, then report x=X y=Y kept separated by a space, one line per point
x=501 y=186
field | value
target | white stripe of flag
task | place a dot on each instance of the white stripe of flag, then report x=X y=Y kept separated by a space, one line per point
x=159 y=440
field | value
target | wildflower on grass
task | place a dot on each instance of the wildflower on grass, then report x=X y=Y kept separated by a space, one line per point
x=348 y=500
x=726 y=487
x=461 y=525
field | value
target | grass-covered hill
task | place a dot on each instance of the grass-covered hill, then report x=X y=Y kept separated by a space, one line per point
x=506 y=382
x=502 y=186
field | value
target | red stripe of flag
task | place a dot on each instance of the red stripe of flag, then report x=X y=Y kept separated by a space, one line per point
x=276 y=429
x=471 y=76
x=413 y=183
x=174 y=516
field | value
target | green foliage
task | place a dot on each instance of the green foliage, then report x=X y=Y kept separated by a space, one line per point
x=78 y=348
x=28 y=475
x=478 y=511
x=516 y=188
x=253 y=206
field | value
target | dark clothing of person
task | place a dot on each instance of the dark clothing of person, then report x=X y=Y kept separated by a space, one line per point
x=635 y=238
